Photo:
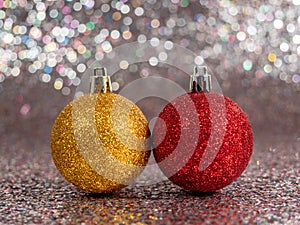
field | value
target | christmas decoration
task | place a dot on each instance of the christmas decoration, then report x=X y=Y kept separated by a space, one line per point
x=56 y=39
x=98 y=141
x=203 y=139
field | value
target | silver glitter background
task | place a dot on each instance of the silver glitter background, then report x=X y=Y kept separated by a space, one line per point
x=253 y=49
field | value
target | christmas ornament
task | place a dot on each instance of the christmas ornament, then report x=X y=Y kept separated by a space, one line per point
x=203 y=140
x=98 y=141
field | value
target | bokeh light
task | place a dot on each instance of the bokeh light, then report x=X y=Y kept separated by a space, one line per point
x=256 y=36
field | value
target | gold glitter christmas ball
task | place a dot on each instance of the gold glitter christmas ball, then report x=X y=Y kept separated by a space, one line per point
x=99 y=142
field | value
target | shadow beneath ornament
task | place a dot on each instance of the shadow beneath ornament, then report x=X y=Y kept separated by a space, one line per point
x=201 y=194
x=164 y=190
x=99 y=195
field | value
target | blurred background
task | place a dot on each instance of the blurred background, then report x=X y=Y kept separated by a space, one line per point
x=252 y=48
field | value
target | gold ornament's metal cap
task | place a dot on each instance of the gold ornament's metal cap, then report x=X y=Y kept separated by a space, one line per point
x=200 y=80
x=100 y=81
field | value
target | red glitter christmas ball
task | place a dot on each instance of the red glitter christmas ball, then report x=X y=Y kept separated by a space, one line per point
x=203 y=141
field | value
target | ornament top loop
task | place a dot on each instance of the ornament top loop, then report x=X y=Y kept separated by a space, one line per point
x=100 y=81
x=200 y=80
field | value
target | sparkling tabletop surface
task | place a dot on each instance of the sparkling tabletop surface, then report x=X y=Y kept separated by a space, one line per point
x=33 y=192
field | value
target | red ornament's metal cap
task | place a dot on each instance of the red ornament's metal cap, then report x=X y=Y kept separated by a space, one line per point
x=200 y=80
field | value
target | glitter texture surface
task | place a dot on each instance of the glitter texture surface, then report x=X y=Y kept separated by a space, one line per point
x=33 y=192
x=87 y=142
x=224 y=141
